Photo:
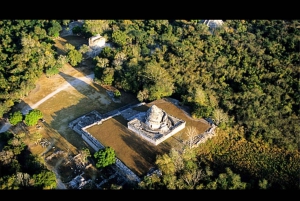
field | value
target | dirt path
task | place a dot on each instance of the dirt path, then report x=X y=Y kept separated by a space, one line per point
x=87 y=79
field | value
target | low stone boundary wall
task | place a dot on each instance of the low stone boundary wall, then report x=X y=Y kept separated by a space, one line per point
x=81 y=119
x=127 y=171
x=93 y=142
x=205 y=136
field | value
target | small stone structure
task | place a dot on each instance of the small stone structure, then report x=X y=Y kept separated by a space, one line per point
x=155 y=125
x=96 y=43
x=213 y=23
x=78 y=182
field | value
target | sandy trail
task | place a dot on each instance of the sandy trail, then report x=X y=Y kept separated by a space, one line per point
x=87 y=79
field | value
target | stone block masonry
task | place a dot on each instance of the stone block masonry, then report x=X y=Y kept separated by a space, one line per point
x=157 y=126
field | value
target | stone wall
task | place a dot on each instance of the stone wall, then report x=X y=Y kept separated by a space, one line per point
x=127 y=171
x=201 y=138
x=93 y=142
x=86 y=120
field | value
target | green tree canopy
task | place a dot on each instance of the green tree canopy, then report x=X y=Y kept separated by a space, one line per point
x=15 y=118
x=117 y=93
x=105 y=157
x=228 y=181
x=32 y=117
x=119 y=37
x=96 y=26
x=74 y=57
x=157 y=81
x=54 y=29
x=45 y=180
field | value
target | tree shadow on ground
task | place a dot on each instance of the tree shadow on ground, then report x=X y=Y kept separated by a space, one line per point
x=84 y=105
x=76 y=41
x=61 y=120
x=23 y=107
x=146 y=151
x=77 y=83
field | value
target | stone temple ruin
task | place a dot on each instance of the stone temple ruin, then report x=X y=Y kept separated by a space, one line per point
x=96 y=43
x=213 y=23
x=155 y=125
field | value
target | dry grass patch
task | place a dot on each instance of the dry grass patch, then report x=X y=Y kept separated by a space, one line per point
x=138 y=154
x=74 y=40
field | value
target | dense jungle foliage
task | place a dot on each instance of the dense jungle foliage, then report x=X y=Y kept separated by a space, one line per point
x=244 y=75
x=19 y=169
